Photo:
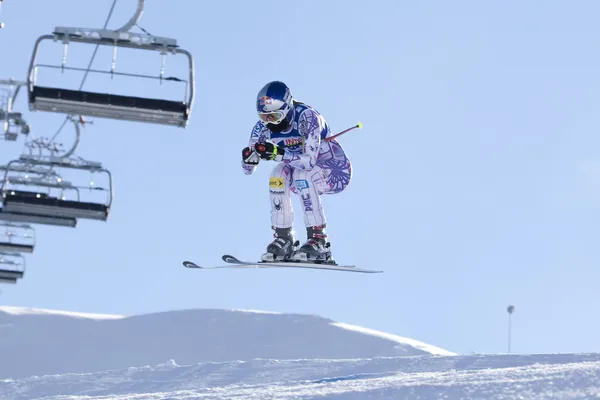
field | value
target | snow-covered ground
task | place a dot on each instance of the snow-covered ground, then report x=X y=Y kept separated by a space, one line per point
x=504 y=377
x=237 y=354
x=40 y=342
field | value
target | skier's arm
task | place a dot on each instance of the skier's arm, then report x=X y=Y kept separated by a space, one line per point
x=250 y=163
x=310 y=127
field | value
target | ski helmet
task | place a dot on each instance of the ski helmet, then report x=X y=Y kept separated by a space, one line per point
x=274 y=105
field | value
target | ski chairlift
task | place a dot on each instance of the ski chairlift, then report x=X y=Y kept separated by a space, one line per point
x=17 y=238
x=42 y=204
x=12 y=267
x=13 y=122
x=28 y=218
x=112 y=106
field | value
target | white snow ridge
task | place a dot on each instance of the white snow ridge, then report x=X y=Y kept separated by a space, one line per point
x=249 y=354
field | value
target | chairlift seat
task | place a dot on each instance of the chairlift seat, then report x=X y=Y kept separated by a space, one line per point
x=8 y=280
x=18 y=202
x=10 y=273
x=104 y=105
x=15 y=247
x=30 y=218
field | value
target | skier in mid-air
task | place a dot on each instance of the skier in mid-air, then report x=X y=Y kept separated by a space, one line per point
x=292 y=134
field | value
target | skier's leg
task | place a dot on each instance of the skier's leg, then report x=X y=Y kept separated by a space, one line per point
x=331 y=175
x=282 y=215
x=310 y=185
x=280 y=183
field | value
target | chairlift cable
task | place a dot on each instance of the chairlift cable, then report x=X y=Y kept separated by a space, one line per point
x=112 y=8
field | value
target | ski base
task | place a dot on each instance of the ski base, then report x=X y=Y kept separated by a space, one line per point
x=233 y=262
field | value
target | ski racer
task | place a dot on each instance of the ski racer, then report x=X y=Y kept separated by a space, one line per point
x=293 y=135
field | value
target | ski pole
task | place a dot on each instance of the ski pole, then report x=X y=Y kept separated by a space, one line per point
x=359 y=125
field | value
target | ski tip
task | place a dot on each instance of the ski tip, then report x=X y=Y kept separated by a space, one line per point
x=230 y=259
x=190 y=264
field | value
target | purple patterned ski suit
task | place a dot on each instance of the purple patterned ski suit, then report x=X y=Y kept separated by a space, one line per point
x=310 y=167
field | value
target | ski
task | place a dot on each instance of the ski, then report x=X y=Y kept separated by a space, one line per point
x=233 y=262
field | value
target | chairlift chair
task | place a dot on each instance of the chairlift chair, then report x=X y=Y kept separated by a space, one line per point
x=12 y=266
x=106 y=105
x=38 y=203
x=28 y=217
x=17 y=238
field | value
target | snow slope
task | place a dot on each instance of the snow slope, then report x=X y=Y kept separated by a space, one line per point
x=504 y=377
x=39 y=342
x=247 y=354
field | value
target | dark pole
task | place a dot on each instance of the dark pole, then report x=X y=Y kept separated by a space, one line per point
x=510 y=310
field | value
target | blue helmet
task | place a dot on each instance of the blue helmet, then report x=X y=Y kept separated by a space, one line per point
x=274 y=105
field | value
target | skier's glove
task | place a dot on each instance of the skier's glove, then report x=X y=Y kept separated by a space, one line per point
x=249 y=156
x=269 y=151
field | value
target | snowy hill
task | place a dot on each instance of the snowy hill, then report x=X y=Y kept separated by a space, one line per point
x=236 y=354
x=42 y=342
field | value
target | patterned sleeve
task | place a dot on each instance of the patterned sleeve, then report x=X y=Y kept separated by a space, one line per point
x=258 y=133
x=310 y=126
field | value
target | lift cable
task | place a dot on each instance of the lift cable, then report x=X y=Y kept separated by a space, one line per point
x=88 y=68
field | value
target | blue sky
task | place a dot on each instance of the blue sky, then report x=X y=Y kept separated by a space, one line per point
x=476 y=175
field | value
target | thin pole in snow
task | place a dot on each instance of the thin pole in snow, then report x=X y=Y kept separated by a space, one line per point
x=510 y=310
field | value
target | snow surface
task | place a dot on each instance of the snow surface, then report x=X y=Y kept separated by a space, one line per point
x=42 y=342
x=42 y=311
x=402 y=340
x=503 y=377
x=249 y=354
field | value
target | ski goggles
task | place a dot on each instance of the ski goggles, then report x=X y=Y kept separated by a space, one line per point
x=271 y=117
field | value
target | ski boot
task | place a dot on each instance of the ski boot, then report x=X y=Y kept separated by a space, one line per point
x=316 y=248
x=282 y=248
